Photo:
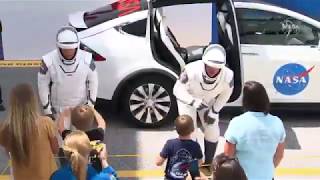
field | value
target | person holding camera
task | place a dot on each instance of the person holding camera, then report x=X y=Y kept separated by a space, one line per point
x=83 y=118
x=86 y=119
x=77 y=149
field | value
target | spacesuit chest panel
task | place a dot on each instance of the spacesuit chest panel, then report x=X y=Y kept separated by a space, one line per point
x=69 y=82
x=208 y=92
x=197 y=90
x=66 y=74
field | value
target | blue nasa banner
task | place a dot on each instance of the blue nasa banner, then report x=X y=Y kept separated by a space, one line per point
x=214 y=24
x=306 y=7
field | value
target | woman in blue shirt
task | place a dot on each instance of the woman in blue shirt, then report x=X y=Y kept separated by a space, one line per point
x=77 y=149
x=256 y=137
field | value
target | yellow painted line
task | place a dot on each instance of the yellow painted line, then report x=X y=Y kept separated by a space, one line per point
x=302 y=157
x=298 y=172
x=19 y=63
x=154 y=155
x=140 y=173
x=279 y=172
x=131 y=155
x=159 y=173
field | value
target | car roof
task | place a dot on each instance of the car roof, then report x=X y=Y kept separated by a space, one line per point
x=281 y=4
x=161 y=3
x=254 y=1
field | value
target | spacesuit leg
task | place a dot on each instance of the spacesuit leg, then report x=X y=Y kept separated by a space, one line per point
x=211 y=136
x=185 y=109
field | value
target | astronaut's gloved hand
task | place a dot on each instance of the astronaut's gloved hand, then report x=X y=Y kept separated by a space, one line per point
x=199 y=104
x=210 y=116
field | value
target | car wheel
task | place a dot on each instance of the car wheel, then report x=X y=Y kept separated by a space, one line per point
x=149 y=101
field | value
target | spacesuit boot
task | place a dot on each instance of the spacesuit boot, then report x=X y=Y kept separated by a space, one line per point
x=209 y=151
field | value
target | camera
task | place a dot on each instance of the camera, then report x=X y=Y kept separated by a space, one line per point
x=97 y=147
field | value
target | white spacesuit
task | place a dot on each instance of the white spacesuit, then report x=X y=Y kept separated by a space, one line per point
x=196 y=92
x=64 y=83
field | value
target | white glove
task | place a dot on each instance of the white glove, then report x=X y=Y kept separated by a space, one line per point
x=48 y=110
x=210 y=117
x=199 y=104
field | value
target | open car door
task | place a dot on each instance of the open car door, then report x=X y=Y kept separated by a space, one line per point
x=228 y=34
x=169 y=53
x=164 y=46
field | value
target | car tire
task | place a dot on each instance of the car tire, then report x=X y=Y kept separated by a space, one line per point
x=148 y=101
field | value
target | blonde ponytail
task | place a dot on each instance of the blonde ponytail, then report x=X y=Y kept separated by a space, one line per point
x=77 y=148
x=79 y=165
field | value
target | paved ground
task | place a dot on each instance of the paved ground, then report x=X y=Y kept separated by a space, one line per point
x=133 y=150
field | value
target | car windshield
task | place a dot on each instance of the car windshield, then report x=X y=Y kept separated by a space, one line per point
x=114 y=10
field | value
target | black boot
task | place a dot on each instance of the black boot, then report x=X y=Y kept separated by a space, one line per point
x=209 y=151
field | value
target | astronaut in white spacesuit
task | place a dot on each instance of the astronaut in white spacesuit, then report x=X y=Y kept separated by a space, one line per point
x=67 y=75
x=204 y=87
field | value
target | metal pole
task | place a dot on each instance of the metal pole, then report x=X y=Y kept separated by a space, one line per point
x=1 y=58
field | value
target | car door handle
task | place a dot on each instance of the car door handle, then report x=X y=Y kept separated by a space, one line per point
x=250 y=54
x=315 y=47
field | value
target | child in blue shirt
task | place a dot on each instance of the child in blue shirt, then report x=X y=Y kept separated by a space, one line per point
x=181 y=152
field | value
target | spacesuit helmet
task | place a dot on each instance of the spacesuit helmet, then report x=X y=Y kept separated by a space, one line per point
x=214 y=56
x=68 y=44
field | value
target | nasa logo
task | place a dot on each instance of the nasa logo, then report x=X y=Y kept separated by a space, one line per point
x=291 y=79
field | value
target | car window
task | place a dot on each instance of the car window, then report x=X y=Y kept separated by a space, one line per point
x=190 y=29
x=137 y=28
x=114 y=10
x=269 y=28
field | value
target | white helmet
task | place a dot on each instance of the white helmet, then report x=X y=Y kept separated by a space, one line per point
x=214 y=56
x=67 y=38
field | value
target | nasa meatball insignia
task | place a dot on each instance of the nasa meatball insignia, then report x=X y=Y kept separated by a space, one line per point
x=291 y=79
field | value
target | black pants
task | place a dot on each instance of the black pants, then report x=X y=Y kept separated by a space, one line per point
x=62 y=159
x=0 y=96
